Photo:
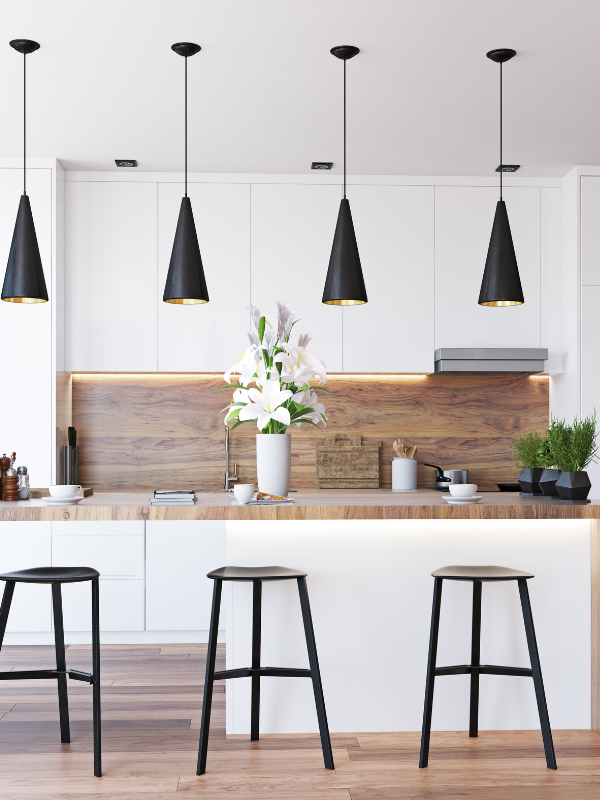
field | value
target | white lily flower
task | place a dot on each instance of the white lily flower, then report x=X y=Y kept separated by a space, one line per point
x=253 y=337
x=266 y=404
x=255 y=311
x=244 y=366
x=304 y=339
x=304 y=364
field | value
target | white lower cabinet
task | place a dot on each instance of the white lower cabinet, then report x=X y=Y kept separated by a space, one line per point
x=178 y=556
x=24 y=545
x=116 y=550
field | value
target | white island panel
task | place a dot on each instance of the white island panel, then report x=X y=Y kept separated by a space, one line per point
x=370 y=589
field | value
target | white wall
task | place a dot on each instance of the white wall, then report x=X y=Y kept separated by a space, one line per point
x=423 y=244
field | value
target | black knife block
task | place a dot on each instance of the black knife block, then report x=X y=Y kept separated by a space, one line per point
x=70 y=465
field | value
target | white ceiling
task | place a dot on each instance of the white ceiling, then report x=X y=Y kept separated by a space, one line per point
x=265 y=94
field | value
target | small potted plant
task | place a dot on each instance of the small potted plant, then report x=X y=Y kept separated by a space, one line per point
x=529 y=458
x=550 y=474
x=572 y=448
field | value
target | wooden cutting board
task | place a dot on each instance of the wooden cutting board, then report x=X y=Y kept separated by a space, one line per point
x=346 y=462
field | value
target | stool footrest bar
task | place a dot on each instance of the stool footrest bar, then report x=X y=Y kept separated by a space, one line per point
x=263 y=672
x=46 y=674
x=483 y=669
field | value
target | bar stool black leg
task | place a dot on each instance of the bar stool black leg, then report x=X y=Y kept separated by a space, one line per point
x=210 y=677
x=429 y=684
x=315 y=673
x=96 y=674
x=61 y=664
x=256 y=635
x=475 y=659
x=9 y=589
x=537 y=675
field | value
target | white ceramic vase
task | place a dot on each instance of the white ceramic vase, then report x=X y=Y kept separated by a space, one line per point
x=273 y=462
x=404 y=475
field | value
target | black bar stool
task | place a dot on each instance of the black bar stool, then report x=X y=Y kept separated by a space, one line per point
x=477 y=575
x=257 y=575
x=56 y=576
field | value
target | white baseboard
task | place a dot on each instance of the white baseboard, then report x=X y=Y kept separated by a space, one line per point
x=114 y=637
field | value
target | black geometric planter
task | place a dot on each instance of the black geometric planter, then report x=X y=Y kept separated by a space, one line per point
x=573 y=487
x=529 y=481
x=548 y=482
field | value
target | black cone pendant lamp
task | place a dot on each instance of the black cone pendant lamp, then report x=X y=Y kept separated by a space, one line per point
x=186 y=284
x=344 y=285
x=501 y=284
x=24 y=278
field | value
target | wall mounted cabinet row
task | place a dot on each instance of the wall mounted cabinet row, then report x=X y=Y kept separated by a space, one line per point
x=152 y=574
x=423 y=250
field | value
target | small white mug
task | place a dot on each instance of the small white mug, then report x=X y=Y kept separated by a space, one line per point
x=462 y=489
x=244 y=492
x=64 y=491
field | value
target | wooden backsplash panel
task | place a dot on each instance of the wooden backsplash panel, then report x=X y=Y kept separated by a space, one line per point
x=157 y=431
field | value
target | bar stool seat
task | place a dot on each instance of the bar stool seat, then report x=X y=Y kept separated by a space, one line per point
x=57 y=576
x=51 y=575
x=478 y=575
x=258 y=575
x=255 y=574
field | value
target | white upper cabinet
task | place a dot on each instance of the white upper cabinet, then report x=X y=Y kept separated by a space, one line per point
x=463 y=224
x=292 y=233
x=27 y=335
x=393 y=332
x=590 y=230
x=206 y=337
x=110 y=271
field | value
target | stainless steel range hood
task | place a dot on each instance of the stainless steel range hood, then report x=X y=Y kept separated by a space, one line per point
x=494 y=360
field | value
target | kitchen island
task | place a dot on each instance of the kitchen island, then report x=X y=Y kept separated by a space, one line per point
x=368 y=555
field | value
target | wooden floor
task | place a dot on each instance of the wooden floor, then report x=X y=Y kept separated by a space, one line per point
x=151 y=706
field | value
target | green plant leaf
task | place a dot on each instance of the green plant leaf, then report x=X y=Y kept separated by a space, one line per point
x=233 y=415
x=232 y=386
x=261 y=329
x=240 y=422
x=310 y=422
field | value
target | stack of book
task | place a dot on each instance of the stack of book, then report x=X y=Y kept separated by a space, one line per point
x=173 y=497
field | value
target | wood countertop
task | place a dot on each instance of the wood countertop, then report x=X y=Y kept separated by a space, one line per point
x=308 y=504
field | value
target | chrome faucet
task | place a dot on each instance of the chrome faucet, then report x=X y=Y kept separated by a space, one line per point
x=228 y=478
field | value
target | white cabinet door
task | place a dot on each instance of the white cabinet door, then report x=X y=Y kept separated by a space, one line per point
x=463 y=224
x=25 y=545
x=590 y=230
x=590 y=367
x=110 y=277
x=178 y=557
x=394 y=230
x=292 y=234
x=207 y=337
x=116 y=550
x=27 y=335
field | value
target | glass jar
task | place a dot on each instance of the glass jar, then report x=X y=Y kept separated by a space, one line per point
x=23 y=488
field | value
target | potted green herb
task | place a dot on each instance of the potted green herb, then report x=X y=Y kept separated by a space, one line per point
x=572 y=448
x=529 y=458
x=550 y=475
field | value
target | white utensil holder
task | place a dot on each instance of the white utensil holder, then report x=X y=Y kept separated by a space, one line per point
x=404 y=475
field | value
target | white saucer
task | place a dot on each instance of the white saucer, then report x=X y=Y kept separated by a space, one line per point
x=61 y=501
x=464 y=501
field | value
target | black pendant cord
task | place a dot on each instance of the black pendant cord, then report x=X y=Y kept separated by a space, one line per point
x=344 y=129
x=186 y=126
x=501 y=162
x=24 y=123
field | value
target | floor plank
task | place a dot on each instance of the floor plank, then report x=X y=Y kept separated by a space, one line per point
x=152 y=704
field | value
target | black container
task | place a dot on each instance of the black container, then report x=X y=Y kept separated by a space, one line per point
x=529 y=481
x=573 y=487
x=548 y=482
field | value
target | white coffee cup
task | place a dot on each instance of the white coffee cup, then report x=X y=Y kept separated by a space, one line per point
x=462 y=489
x=244 y=492
x=64 y=491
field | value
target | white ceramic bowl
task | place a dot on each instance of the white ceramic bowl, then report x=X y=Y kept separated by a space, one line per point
x=462 y=489
x=244 y=492
x=64 y=491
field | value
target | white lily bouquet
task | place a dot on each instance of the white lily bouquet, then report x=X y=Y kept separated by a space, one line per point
x=280 y=371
